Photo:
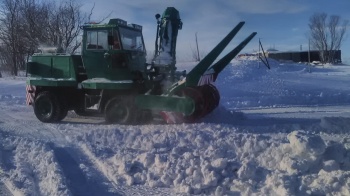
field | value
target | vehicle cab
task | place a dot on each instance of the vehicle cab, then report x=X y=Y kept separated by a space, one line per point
x=114 y=51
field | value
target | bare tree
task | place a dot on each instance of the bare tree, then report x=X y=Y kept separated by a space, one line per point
x=327 y=36
x=65 y=22
x=21 y=24
x=25 y=25
x=10 y=21
x=35 y=15
x=194 y=55
x=64 y=26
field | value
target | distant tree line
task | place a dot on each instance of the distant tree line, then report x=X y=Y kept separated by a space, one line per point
x=26 y=25
x=327 y=35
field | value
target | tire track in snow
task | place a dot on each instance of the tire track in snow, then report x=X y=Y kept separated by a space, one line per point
x=80 y=182
x=21 y=122
x=30 y=129
x=4 y=191
x=81 y=175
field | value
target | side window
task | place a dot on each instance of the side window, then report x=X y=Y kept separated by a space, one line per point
x=97 y=40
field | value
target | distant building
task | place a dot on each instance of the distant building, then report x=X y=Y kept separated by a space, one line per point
x=301 y=56
x=271 y=50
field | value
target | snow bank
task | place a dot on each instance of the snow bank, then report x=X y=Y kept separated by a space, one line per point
x=248 y=83
x=215 y=159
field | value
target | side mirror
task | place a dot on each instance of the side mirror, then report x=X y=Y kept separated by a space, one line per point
x=157 y=16
x=110 y=40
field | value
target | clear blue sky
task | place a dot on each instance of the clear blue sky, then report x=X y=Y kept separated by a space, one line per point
x=281 y=24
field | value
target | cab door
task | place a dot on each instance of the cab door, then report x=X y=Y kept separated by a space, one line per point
x=119 y=57
x=95 y=46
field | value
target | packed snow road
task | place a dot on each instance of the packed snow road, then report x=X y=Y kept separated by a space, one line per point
x=283 y=131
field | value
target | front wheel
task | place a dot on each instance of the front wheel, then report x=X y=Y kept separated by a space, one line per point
x=120 y=110
x=47 y=107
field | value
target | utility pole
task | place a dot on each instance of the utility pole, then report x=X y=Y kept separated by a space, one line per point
x=259 y=54
x=198 y=58
x=308 y=55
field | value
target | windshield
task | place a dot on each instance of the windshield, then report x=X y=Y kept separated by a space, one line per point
x=131 y=40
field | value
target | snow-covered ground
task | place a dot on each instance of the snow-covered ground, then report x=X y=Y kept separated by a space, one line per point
x=283 y=131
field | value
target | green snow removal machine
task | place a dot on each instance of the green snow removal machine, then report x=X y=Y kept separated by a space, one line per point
x=111 y=77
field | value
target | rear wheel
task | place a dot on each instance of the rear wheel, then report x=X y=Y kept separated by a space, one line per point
x=120 y=110
x=47 y=107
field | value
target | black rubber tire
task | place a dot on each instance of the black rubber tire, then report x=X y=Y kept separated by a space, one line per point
x=47 y=107
x=120 y=110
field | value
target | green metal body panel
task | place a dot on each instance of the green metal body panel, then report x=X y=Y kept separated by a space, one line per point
x=166 y=103
x=52 y=70
x=52 y=66
x=107 y=84
x=52 y=82
x=171 y=13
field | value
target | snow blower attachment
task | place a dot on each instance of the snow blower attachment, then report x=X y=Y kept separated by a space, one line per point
x=111 y=77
